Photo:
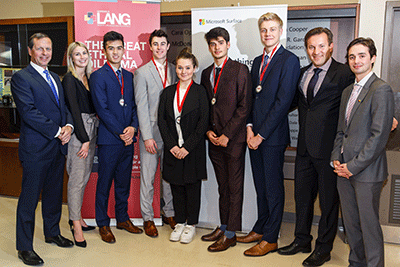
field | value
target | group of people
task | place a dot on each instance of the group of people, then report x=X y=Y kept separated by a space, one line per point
x=345 y=116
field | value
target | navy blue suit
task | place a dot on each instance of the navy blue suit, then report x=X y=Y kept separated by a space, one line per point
x=115 y=159
x=42 y=155
x=270 y=121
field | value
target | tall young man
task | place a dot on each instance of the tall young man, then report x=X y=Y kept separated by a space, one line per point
x=149 y=82
x=112 y=91
x=228 y=86
x=274 y=76
x=46 y=127
x=359 y=156
x=318 y=99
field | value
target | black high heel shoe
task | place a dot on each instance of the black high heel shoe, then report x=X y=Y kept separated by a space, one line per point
x=84 y=228
x=81 y=244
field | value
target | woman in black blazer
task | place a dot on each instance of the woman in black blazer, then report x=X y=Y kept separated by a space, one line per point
x=82 y=145
x=183 y=120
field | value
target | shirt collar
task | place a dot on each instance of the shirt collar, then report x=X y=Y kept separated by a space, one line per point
x=277 y=48
x=115 y=69
x=365 y=79
x=38 y=68
x=324 y=67
x=159 y=65
x=220 y=66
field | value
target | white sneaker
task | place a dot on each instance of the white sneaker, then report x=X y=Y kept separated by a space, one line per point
x=176 y=234
x=188 y=234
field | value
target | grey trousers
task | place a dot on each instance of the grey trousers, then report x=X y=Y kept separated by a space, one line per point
x=79 y=170
x=148 y=168
x=360 y=209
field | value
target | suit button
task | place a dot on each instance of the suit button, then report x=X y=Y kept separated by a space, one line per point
x=256 y=97
x=345 y=136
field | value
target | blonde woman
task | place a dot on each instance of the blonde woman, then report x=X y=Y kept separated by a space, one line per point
x=82 y=146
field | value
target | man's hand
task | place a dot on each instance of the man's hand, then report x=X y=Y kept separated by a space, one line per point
x=65 y=134
x=174 y=151
x=394 y=124
x=255 y=141
x=127 y=135
x=151 y=146
x=249 y=134
x=213 y=138
x=182 y=153
x=342 y=170
x=223 y=140
x=84 y=151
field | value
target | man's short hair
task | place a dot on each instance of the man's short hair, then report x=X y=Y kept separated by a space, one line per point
x=158 y=33
x=38 y=36
x=216 y=32
x=317 y=31
x=112 y=36
x=270 y=16
x=367 y=42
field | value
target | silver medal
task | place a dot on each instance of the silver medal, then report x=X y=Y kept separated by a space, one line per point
x=213 y=101
x=121 y=102
x=258 y=88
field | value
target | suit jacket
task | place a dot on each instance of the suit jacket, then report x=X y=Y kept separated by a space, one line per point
x=228 y=116
x=106 y=93
x=41 y=116
x=272 y=103
x=365 y=136
x=148 y=88
x=318 y=120
x=194 y=124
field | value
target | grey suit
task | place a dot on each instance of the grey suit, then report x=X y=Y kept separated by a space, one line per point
x=148 y=88
x=363 y=139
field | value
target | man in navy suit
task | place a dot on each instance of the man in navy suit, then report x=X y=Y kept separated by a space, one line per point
x=112 y=92
x=274 y=77
x=318 y=99
x=46 y=127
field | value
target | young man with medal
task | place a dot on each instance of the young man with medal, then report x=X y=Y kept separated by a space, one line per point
x=228 y=86
x=274 y=75
x=150 y=81
x=112 y=92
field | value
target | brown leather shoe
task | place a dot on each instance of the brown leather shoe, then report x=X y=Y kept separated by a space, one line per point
x=106 y=234
x=128 y=226
x=261 y=249
x=150 y=229
x=223 y=243
x=251 y=237
x=213 y=236
x=169 y=220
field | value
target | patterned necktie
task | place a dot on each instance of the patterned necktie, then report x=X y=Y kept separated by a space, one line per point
x=265 y=62
x=311 y=85
x=119 y=76
x=352 y=100
x=217 y=71
x=53 y=88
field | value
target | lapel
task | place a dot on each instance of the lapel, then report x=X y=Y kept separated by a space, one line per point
x=330 y=74
x=207 y=82
x=171 y=72
x=189 y=105
x=224 y=79
x=273 y=61
x=361 y=96
x=156 y=76
x=302 y=72
x=46 y=87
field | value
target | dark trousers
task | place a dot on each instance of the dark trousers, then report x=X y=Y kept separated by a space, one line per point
x=267 y=166
x=315 y=176
x=115 y=164
x=42 y=176
x=228 y=165
x=186 y=199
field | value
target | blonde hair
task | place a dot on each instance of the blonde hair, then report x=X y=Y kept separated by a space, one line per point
x=270 y=16
x=71 y=65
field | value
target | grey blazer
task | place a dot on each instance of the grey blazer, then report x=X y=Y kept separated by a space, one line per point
x=148 y=88
x=365 y=136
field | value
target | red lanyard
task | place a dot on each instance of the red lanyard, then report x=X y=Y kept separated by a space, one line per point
x=269 y=60
x=219 y=76
x=122 y=79
x=184 y=97
x=166 y=72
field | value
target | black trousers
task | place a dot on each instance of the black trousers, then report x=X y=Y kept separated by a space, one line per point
x=186 y=199
x=315 y=176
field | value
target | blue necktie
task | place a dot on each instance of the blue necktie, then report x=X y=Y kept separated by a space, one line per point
x=311 y=85
x=265 y=62
x=53 y=88
x=119 y=76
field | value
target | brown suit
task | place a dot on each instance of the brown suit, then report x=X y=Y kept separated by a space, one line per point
x=228 y=116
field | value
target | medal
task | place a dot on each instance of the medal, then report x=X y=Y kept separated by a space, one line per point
x=213 y=101
x=178 y=120
x=258 y=88
x=121 y=102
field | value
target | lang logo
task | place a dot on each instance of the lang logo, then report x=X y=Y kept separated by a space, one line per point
x=89 y=18
x=202 y=22
x=107 y=18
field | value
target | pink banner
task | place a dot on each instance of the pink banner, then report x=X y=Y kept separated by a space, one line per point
x=135 y=21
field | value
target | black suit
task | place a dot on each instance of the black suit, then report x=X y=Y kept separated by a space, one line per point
x=313 y=173
x=42 y=155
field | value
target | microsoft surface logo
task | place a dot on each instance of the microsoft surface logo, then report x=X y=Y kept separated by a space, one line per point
x=202 y=22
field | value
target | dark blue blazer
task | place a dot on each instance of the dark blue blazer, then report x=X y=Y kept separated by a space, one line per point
x=41 y=116
x=271 y=105
x=106 y=93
